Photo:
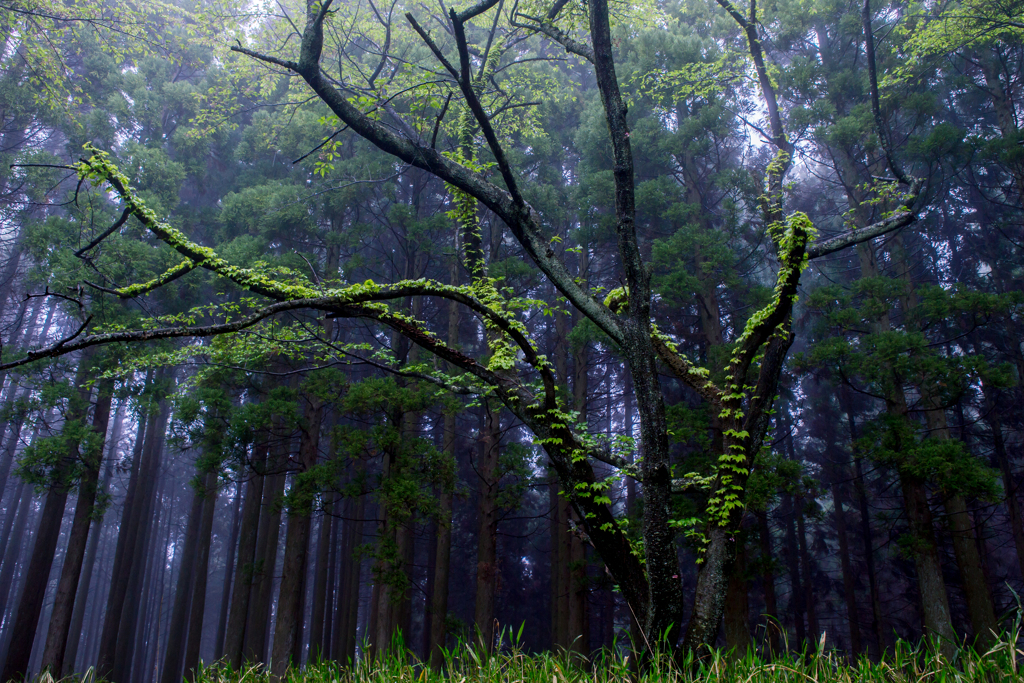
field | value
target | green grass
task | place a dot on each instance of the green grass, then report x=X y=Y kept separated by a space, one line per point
x=1003 y=661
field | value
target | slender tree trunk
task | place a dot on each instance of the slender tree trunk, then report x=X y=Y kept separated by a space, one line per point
x=266 y=557
x=980 y=608
x=124 y=548
x=13 y=554
x=796 y=593
x=241 y=590
x=579 y=582
x=323 y=557
x=1013 y=507
x=229 y=573
x=202 y=573
x=934 y=601
x=85 y=583
x=178 y=629
x=771 y=607
x=487 y=520
x=44 y=549
x=344 y=649
x=74 y=555
x=290 y=605
x=737 y=605
x=144 y=528
x=442 y=562
x=810 y=601
x=839 y=514
x=867 y=538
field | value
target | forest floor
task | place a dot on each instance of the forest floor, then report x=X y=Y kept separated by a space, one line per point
x=905 y=663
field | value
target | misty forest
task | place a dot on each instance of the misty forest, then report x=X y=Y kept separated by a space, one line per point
x=355 y=331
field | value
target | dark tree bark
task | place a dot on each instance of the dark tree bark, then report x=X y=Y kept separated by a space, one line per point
x=867 y=538
x=126 y=536
x=74 y=555
x=934 y=601
x=145 y=522
x=48 y=534
x=266 y=558
x=13 y=554
x=229 y=573
x=241 y=590
x=344 y=631
x=288 y=629
x=178 y=628
x=202 y=573
x=806 y=570
x=442 y=545
x=85 y=582
x=737 y=606
x=323 y=557
x=849 y=593
x=487 y=526
x=796 y=593
x=771 y=606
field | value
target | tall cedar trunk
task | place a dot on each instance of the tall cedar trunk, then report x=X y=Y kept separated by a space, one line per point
x=85 y=582
x=344 y=647
x=980 y=608
x=1002 y=459
x=145 y=522
x=118 y=589
x=931 y=584
x=13 y=555
x=487 y=526
x=266 y=557
x=123 y=550
x=737 y=605
x=202 y=573
x=178 y=628
x=323 y=555
x=37 y=573
x=147 y=630
x=559 y=505
x=229 y=574
x=241 y=590
x=579 y=583
x=849 y=593
x=796 y=593
x=934 y=601
x=806 y=570
x=443 y=543
x=771 y=606
x=74 y=554
x=288 y=629
x=867 y=538
x=333 y=569
x=976 y=590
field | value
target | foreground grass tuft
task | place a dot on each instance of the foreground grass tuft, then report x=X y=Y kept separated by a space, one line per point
x=1003 y=661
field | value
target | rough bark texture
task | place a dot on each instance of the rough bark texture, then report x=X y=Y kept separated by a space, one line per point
x=241 y=590
x=487 y=527
x=202 y=573
x=37 y=572
x=849 y=593
x=178 y=628
x=74 y=554
x=288 y=629
x=85 y=582
x=266 y=559
x=229 y=574
x=737 y=606
x=344 y=648
x=323 y=556
x=934 y=601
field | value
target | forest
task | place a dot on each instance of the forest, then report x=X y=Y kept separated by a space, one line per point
x=339 y=331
